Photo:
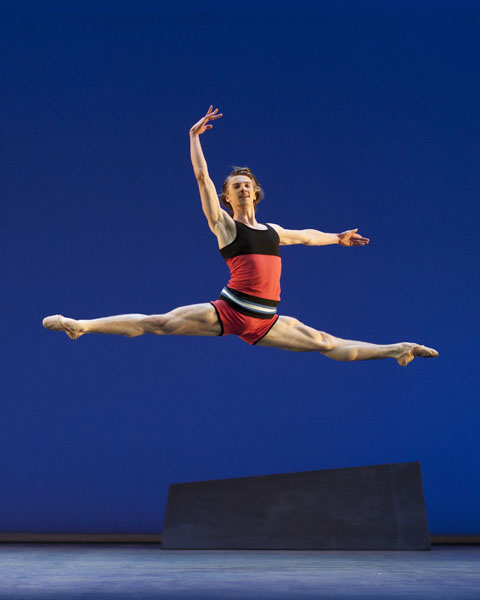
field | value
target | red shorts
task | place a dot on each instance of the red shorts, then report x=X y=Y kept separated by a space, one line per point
x=248 y=329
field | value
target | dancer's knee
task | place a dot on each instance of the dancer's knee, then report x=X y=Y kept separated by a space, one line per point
x=315 y=339
x=322 y=341
x=325 y=341
x=157 y=324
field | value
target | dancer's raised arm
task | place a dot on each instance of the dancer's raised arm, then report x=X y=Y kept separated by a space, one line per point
x=217 y=218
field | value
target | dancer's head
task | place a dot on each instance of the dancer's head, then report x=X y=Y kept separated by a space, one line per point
x=233 y=183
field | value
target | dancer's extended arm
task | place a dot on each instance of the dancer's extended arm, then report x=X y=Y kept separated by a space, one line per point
x=217 y=218
x=313 y=237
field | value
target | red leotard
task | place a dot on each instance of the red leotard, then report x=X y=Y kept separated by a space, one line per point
x=247 y=305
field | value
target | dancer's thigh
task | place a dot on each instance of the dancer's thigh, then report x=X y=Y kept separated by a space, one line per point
x=291 y=334
x=194 y=319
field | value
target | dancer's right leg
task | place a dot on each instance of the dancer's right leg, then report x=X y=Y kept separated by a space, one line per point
x=196 y=319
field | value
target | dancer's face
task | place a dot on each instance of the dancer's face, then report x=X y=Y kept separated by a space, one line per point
x=241 y=190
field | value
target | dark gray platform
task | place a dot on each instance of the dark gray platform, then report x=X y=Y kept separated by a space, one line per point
x=361 y=508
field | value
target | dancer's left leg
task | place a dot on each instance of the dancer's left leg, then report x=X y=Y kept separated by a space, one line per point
x=195 y=319
x=291 y=334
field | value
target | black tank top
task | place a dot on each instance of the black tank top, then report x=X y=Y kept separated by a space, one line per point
x=252 y=241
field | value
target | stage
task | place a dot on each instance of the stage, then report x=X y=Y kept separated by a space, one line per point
x=145 y=571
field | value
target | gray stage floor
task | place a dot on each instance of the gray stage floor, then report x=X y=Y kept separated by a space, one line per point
x=127 y=572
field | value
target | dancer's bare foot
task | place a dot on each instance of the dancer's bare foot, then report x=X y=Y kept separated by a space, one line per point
x=61 y=323
x=411 y=351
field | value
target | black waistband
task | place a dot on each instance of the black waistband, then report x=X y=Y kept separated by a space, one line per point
x=253 y=306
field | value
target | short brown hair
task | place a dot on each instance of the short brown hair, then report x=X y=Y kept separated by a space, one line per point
x=259 y=195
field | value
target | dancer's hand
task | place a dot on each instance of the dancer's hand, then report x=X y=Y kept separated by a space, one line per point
x=203 y=125
x=351 y=238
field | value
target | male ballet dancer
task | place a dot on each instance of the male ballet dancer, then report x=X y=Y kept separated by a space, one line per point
x=247 y=306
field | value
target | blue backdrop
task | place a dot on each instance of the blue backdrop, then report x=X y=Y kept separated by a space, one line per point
x=350 y=117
